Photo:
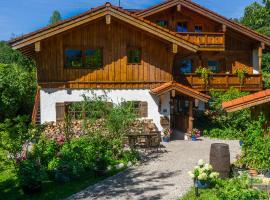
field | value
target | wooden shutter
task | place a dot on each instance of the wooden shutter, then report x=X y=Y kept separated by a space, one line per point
x=60 y=111
x=143 y=109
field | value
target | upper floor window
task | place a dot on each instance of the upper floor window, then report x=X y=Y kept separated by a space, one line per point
x=73 y=58
x=182 y=27
x=87 y=58
x=198 y=28
x=214 y=66
x=162 y=23
x=134 y=55
x=93 y=58
x=186 y=66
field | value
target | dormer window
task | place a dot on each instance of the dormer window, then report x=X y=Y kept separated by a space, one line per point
x=198 y=28
x=162 y=23
x=182 y=27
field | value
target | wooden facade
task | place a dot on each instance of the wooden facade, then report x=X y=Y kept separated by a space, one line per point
x=113 y=31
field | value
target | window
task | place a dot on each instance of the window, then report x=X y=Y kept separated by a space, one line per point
x=73 y=58
x=198 y=28
x=186 y=66
x=93 y=58
x=86 y=58
x=214 y=66
x=182 y=27
x=162 y=23
x=140 y=108
x=134 y=55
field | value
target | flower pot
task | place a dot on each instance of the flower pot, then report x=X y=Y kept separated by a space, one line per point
x=252 y=172
x=166 y=139
x=241 y=143
x=193 y=138
x=201 y=184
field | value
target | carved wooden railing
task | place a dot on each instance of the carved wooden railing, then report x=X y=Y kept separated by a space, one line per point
x=36 y=106
x=252 y=82
x=205 y=39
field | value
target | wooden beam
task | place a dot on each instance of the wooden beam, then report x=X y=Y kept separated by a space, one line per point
x=108 y=19
x=173 y=93
x=37 y=46
x=179 y=7
x=224 y=28
x=174 y=48
x=190 y=116
x=260 y=54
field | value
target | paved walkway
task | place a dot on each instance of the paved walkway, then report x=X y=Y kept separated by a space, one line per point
x=162 y=177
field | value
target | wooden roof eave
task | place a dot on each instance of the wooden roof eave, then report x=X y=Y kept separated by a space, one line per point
x=117 y=13
x=181 y=89
x=207 y=13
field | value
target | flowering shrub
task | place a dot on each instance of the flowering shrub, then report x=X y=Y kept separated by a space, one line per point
x=167 y=132
x=203 y=172
x=196 y=132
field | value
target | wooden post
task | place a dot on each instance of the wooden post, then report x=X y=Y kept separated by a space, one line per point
x=108 y=19
x=37 y=47
x=260 y=53
x=179 y=8
x=190 y=115
x=174 y=48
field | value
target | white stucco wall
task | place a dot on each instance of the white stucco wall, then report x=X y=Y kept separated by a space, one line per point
x=49 y=97
x=255 y=61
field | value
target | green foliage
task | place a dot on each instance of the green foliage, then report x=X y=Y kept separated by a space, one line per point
x=256 y=147
x=10 y=56
x=204 y=73
x=56 y=17
x=17 y=89
x=13 y=135
x=226 y=125
x=120 y=118
x=229 y=189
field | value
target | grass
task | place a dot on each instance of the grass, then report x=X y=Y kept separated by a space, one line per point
x=9 y=187
x=204 y=194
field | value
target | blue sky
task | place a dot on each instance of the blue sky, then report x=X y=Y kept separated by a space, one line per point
x=23 y=16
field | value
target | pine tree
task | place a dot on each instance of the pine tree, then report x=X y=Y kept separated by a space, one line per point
x=56 y=17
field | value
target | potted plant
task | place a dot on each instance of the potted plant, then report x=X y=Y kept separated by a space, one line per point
x=205 y=74
x=195 y=134
x=166 y=135
x=203 y=175
x=241 y=73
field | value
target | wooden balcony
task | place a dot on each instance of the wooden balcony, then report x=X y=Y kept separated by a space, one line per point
x=206 y=40
x=252 y=82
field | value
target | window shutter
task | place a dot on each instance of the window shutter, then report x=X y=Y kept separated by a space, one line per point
x=143 y=109
x=60 y=111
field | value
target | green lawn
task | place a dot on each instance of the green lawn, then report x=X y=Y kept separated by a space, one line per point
x=10 y=190
x=204 y=194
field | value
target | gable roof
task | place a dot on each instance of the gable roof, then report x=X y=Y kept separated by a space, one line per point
x=172 y=85
x=207 y=13
x=102 y=11
x=247 y=101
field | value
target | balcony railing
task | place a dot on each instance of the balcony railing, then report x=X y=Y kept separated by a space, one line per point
x=252 y=82
x=205 y=39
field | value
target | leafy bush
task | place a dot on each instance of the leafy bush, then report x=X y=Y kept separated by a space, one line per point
x=256 y=147
x=229 y=189
x=223 y=124
x=17 y=90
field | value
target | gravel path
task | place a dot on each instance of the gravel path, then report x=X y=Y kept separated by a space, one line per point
x=162 y=177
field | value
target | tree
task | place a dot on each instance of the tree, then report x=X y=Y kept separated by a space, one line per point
x=56 y=17
x=257 y=17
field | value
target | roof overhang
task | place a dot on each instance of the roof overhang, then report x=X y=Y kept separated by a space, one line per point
x=207 y=13
x=27 y=42
x=169 y=86
x=248 y=101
